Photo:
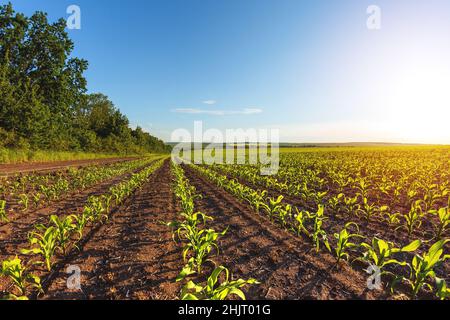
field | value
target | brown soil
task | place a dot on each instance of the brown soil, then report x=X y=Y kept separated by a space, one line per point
x=336 y=221
x=10 y=169
x=133 y=255
x=283 y=263
x=14 y=234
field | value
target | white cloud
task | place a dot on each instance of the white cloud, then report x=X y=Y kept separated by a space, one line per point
x=244 y=111
x=210 y=102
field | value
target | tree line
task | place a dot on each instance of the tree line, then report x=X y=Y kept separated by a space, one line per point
x=44 y=102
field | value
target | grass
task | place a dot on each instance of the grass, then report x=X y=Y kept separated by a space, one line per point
x=14 y=156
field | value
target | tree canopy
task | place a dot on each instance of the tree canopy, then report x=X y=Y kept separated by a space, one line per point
x=43 y=94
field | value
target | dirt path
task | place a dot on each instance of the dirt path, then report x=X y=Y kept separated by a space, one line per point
x=285 y=265
x=133 y=256
x=10 y=169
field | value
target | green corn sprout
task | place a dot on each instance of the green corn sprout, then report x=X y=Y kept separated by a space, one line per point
x=319 y=196
x=36 y=197
x=319 y=235
x=255 y=199
x=343 y=241
x=350 y=203
x=367 y=210
x=24 y=200
x=215 y=290
x=392 y=218
x=442 y=291
x=413 y=219
x=381 y=254
x=3 y=214
x=80 y=222
x=301 y=217
x=19 y=276
x=44 y=244
x=107 y=199
x=64 y=228
x=97 y=209
x=200 y=245
x=422 y=266
x=273 y=207
x=444 y=221
x=284 y=213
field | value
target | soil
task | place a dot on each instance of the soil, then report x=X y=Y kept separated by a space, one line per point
x=284 y=264
x=133 y=255
x=14 y=234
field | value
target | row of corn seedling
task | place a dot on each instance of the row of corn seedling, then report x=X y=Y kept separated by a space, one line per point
x=34 y=191
x=199 y=243
x=63 y=233
x=420 y=270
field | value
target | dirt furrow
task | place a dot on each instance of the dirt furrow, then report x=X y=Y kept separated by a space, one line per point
x=133 y=256
x=285 y=265
x=14 y=234
x=335 y=222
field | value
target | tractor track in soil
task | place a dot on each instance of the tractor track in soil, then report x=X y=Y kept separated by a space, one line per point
x=133 y=255
x=286 y=267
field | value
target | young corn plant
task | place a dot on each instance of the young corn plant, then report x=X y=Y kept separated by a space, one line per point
x=319 y=235
x=97 y=209
x=351 y=205
x=3 y=214
x=284 y=214
x=24 y=201
x=413 y=219
x=393 y=219
x=255 y=199
x=45 y=244
x=442 y=292
x=343 y=241
x=443 y=223
x=64 y=229
x=14 y=270
x=36 y=198
x=422 y=267
x=107 y=199
x=319 y=197
x=214 y=289
x=273 y=207
x=380 y=253
x=80 y=222
x=368 y=210
x=301 y=218
x=201 y=245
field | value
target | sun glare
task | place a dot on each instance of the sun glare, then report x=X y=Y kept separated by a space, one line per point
x=419 y=105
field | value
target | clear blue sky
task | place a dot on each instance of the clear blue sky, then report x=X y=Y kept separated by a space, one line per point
x=309 y=68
